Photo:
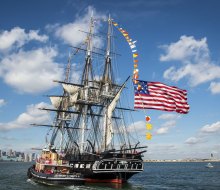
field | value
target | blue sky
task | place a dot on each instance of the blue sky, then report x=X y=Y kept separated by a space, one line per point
x=177 y=42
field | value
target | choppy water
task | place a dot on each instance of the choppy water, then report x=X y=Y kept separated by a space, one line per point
x=159 y=176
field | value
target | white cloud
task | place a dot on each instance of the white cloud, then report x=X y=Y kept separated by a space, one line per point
x=31 y=71
x=17 y=37
x=162 y=130
x=213 y=128
x=76 y=71
x=166 y=127
x=169 y=124
x=138 y=126
x=2 y=102
x=185 y=49
x=205 y=134
x=192 y=140
x=194 y=55
x=33 y=35
x=32 y=115
x=70 y=32
x=215 y=87
x=169 y=116
x=165 y=147
x=163 y=151
x=196 y=73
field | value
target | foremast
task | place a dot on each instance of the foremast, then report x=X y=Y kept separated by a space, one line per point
x=106 y=90
x=61 y=119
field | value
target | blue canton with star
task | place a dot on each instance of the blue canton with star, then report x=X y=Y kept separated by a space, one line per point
x=141 y=88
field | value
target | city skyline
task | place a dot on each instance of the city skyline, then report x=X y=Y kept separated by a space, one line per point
x=17 y=156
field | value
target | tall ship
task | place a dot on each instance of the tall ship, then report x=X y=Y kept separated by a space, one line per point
x=89 y=139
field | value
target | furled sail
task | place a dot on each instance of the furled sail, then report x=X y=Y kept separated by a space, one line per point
x=108 y=117
x=56 y=100
x=73 y=98
x=71 y=89
x=73 y=92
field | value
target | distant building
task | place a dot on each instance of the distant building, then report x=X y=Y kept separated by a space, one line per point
x=12 y=155
x=26 y=158
x=3 y=153
x=20 y=158
x=30 y=157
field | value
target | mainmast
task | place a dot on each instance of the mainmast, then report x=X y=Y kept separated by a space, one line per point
x=87 y=76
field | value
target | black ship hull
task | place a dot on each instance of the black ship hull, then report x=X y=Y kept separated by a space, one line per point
x=108 y=167
x=52 y=179
x=112 y=177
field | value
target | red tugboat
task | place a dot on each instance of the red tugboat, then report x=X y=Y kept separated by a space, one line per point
x=51 y=170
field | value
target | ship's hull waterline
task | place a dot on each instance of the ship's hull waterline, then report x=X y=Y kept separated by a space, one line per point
x=108 y=169
x=50 y=179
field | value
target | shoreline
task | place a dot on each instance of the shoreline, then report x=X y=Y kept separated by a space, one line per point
x=206 y=160
x=165 y=161
x=12 y=161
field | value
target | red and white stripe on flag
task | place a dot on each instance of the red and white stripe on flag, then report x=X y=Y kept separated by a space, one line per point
x=156 y=95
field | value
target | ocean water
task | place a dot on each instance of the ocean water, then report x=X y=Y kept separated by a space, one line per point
x=156 y=176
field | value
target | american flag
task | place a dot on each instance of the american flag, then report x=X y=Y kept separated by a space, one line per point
x=156 y=95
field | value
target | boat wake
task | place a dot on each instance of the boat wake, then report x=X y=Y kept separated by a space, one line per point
x=72 y=187
x=31 y=182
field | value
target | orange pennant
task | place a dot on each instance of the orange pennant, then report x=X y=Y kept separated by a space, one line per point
x=135 y=81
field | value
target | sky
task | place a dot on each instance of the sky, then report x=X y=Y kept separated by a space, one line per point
x=177 y=42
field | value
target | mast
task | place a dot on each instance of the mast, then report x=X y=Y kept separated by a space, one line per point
x=110 y=93
x=87 y=76
x=61 y=104
x=106 y=88
x=107 y=75
x=85 y=112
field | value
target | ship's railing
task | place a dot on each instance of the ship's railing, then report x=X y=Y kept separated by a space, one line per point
x=93 y=95
x=108 y=94
x=52 y=162
x=118 y=165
